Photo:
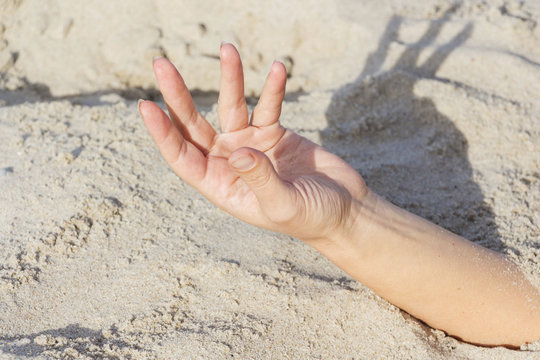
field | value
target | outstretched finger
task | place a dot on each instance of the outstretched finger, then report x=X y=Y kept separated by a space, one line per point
x=268 y=108
x=232 y=107
x=182 y=156
x=182 y=110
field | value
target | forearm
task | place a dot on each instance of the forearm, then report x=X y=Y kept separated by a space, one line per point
x=448 y=282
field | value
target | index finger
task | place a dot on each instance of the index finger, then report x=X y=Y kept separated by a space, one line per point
x=182 y=110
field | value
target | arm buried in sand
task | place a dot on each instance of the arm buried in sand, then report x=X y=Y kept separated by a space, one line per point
x=273 y=178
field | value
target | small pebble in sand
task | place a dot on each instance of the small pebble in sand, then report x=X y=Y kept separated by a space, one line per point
x=6 y=171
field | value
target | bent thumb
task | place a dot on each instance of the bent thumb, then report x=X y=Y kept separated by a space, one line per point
x=257 y=171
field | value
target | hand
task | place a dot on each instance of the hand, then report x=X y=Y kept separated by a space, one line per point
x=255 y=169
x=273 y=178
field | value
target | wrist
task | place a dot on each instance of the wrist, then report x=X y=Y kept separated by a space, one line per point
x=362 y=216
x=352 y=235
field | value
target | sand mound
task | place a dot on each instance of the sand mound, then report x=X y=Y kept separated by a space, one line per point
x=106 y=253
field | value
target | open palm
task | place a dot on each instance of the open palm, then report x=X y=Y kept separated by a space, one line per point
x=254 y=169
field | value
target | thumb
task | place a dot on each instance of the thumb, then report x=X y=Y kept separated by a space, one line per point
x=275 y=196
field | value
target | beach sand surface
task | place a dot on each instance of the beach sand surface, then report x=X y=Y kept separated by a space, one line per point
x=107 y=254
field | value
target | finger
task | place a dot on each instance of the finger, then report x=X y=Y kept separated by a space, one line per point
x=182 y=110
x=182 y=156
x=268 y=108
x=275 y=196
x=232 y=107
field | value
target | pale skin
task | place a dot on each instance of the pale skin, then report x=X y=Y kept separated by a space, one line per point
x=270 y=177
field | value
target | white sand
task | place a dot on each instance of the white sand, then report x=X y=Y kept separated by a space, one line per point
x=106 y=253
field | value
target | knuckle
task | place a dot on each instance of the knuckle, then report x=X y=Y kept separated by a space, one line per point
x=259 y=179
x=193 y=117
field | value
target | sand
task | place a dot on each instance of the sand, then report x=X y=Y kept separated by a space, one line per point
x=107 y=254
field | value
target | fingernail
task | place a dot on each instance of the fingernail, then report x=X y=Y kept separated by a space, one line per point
x=243 y=162
x=155 y=58
x=139 y=104
x=274 y=63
